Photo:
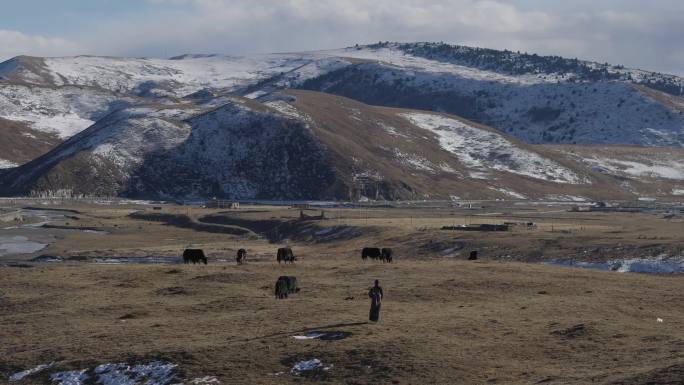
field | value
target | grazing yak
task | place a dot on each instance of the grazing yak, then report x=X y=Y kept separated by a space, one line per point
x=285 y=285
x=371 y=252
x=386 y=254
x=473 y=255
x=241 y=256
x=194 y=256
x=285 y=255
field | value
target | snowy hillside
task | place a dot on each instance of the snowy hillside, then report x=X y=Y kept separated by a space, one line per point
x=63 y=96
x=176 y=151
x=535 y=107
x=481 y=150
x=175 y=77
x=309 y=145
x=470 y=123
x=645 y=165
x=62 y=111
x=535 y=98
x=554 y=68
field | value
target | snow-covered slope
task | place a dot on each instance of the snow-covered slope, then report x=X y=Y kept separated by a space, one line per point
x=62 y=111
x=645 y=165
x=63 y=96
x=181 y=151
x=534 y=98
x=175 y=77
x=537 y=108
x=481 y=150
x=309 y=145
x=216 y=125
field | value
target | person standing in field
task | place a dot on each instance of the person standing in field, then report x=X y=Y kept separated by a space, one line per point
x=375 y=294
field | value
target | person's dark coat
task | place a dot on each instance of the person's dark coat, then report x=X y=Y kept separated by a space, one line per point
x=375 y=294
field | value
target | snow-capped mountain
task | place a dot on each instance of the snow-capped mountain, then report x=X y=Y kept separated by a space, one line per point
x=216 y=125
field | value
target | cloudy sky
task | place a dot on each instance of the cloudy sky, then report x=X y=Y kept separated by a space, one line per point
x=637 y=33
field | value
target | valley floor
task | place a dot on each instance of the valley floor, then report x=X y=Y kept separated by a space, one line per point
x=444 y=319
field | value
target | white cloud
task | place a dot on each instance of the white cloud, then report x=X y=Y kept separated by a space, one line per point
x=14 y=43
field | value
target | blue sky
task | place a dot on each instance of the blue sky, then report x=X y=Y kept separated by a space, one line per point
x=636 y=33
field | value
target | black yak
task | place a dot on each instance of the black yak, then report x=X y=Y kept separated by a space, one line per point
x=371 y=252
x=386 y=254
x=285 y=285
x=285 y=255
x=194 y=256
x=241 y=256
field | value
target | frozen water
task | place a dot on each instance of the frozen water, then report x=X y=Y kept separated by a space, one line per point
x=19 y=245
x=631 y=265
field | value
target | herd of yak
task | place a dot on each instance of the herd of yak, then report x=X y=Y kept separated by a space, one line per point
x=285 y=255
x=286 y=285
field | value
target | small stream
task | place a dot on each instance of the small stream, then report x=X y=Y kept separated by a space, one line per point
x=659 y=265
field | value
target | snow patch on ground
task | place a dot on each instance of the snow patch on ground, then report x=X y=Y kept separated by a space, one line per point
x=310 y=336
x=414 y=161
x=641 y=168
x=510 y=193
x=288 y=110
x=7 y=164
x=327 y=336
x=391 y=130
x=74 y=377
x=481 y=150
x=308 y=366
x=154 y=373
x=25 y=373
x=205 y=380
x=677 y=191
x=565 y=198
